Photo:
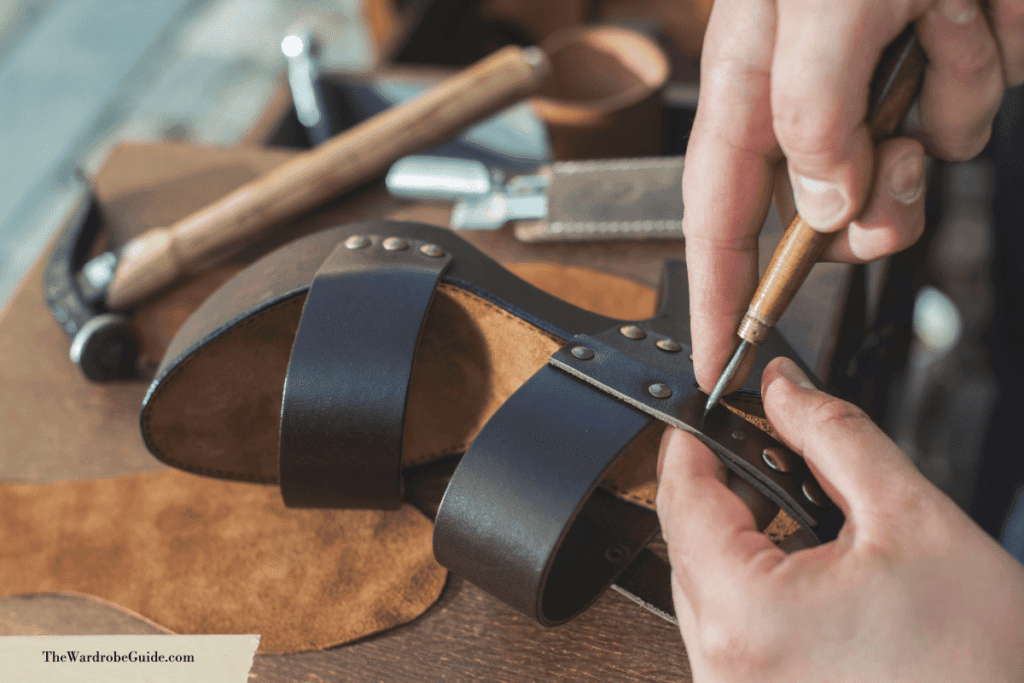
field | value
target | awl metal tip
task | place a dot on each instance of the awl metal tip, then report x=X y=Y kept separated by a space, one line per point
x=727 y=374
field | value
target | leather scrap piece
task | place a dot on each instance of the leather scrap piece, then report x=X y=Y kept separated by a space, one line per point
x=201 y=555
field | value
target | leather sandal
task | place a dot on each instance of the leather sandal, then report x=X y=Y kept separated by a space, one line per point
x=341 y=360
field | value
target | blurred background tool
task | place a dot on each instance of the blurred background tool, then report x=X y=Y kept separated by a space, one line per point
x=302 y=50
x=569 y=201
x=894 y=87
x=155 y=259
x=603 y=96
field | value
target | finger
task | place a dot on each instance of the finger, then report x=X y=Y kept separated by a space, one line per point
x=963 y=82
x=894 y=216
x=713 y=543
x=689 y=629
x=860 y=468
x=1007 y=18
x=819 y=88
x=729 y=161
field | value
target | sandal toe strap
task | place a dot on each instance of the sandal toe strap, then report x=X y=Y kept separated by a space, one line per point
x=344 y=402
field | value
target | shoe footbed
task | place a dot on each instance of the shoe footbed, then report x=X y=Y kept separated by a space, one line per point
x=205 y=555
x=218 y=412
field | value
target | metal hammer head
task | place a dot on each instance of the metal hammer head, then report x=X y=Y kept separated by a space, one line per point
x=103 y=344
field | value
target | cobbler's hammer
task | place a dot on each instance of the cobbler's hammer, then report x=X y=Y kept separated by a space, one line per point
x=86 y=297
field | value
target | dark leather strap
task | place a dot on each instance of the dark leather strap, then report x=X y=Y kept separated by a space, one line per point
x=628 y=368
x=521 y=517
x=343 y=408
x=647 y=581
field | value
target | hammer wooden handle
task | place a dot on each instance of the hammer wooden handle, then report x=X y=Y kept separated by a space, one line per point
x=893 y=89
x=158 y=257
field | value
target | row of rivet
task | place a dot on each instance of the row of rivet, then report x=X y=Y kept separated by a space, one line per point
x=657 y=390
x=637 y=332
x=393 y=244
x=776 y=458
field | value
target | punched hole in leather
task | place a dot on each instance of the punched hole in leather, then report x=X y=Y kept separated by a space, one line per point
x=344 y=403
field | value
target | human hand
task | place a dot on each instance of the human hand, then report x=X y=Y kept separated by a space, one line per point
x=784 y=83
x=911 y=590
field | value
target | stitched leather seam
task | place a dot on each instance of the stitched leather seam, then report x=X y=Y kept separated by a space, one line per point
x=211 y=471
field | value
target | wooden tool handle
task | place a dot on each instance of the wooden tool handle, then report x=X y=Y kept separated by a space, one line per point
x=158 y=257
x=893 y=88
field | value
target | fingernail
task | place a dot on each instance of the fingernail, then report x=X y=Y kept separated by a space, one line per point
x=959 y=11
x=906 y=182
x=820 y=203
x=794 y=374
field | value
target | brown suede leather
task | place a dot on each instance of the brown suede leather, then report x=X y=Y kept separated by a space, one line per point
x=200 y=555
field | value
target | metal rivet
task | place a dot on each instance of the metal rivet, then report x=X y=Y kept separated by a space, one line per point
x=812 y=492
x=616 y=553
x=632 y=332
x=659 y=390
x=395 y=244
x=357 y=242
x=777 y=459
x=432 y=250
x=582 y=352
x=738 y=435
x=669 y=345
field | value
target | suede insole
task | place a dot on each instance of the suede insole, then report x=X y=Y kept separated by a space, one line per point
x=218 y=412
x=472 y=356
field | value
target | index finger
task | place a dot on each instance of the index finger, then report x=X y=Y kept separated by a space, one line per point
x=727 y=184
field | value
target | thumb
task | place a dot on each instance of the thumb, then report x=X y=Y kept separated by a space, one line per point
x=861 y=469
x=713 y=542
x=819 y=92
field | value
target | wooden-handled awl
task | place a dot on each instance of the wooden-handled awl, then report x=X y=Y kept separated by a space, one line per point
x=893 y=88
x=160 y=256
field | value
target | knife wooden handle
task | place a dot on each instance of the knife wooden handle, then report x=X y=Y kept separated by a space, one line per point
x=158 y=257
x=893 y=88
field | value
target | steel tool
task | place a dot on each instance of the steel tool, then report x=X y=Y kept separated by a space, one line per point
x=604 y=199
x=302 y=50
x=117 y=280
x=894 y=87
